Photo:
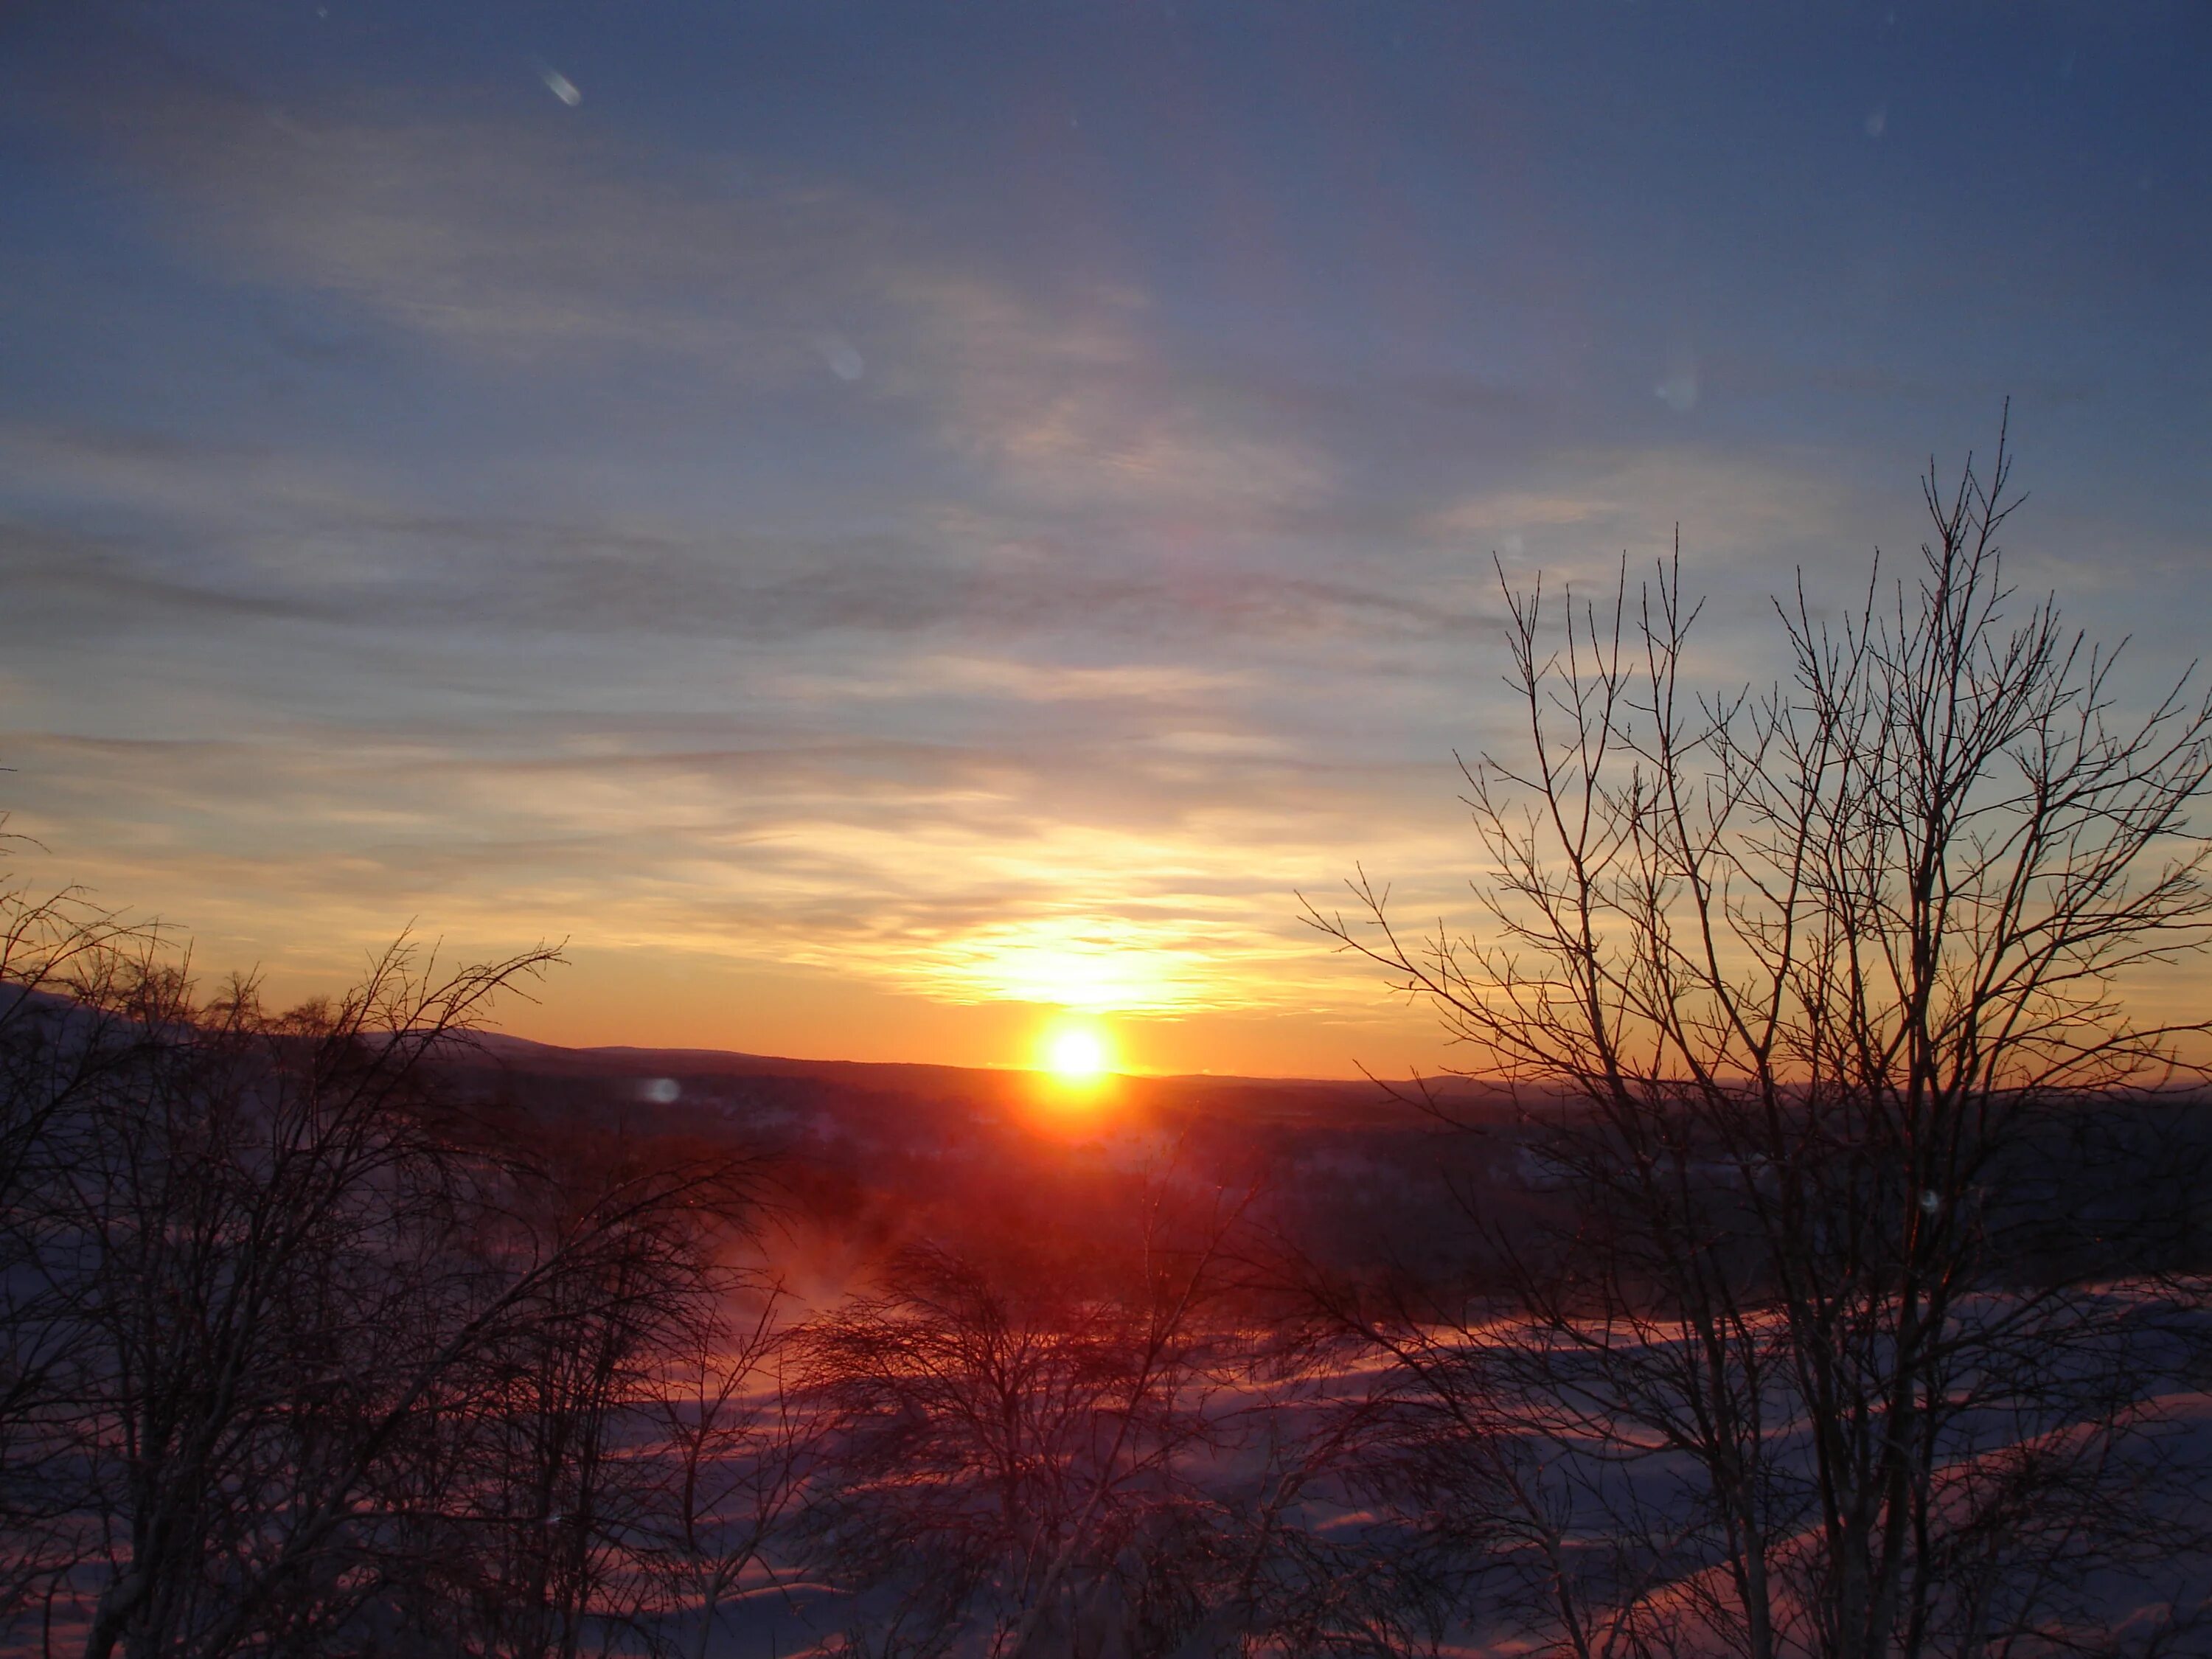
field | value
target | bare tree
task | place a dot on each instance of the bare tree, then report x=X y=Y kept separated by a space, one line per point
x=279 y=1310
x=740 y=1450
x=1018 y=1439
x=1805 y=991
x=1319 y=1553
x=570 y=1482
x=252 y=1233
x=65 y=969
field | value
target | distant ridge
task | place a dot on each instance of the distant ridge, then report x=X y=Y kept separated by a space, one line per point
x=1344 y=1101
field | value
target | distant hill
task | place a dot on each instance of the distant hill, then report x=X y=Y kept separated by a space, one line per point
x=891 y=1150
x=711 y=1073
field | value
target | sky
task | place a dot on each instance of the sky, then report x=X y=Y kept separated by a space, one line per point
x=870 y=525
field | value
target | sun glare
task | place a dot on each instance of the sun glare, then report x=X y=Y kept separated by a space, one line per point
x=1077 y=1054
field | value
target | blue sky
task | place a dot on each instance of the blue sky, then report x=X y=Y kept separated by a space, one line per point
x=874 y=522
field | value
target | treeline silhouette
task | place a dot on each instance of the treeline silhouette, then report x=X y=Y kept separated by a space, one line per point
x=316 y=1345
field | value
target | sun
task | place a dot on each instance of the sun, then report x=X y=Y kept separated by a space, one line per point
x=1077 y=1054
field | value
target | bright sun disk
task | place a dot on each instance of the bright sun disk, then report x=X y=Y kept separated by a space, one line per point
x=1076 y=1054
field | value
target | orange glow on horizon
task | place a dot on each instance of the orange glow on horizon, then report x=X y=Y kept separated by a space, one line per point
x=1075 y=1090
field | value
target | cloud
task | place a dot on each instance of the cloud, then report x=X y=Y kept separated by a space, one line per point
x=1586 y=503
x=1023 y=682
x=148 y=526
x=764 y=577
x=963 y=766
x=549 y=249
x=509 y=239
x=958 y=876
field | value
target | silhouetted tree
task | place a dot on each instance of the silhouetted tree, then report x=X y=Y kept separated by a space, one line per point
x=1017 y=1443
x=67 y=969
x=623 y=1238
x=300 y=1354
x=1806 y=991
x=741 y=1451
x=254 y=1231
